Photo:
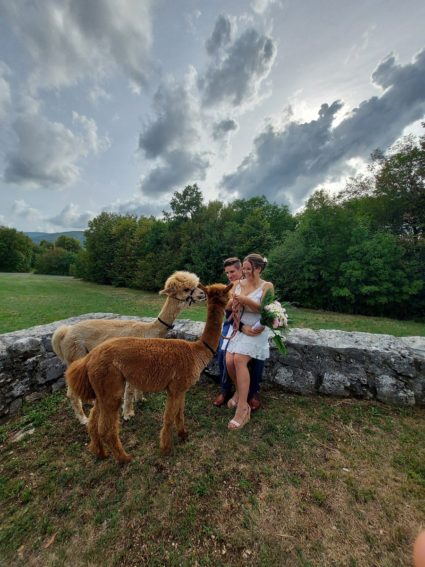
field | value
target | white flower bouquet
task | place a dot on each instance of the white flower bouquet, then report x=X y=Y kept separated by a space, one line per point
x=273 y=316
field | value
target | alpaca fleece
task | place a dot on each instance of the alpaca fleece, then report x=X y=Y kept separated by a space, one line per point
x=151 y=365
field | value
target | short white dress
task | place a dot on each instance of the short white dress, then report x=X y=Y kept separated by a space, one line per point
x=255 y=347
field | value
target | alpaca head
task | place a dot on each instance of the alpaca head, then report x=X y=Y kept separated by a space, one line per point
x=183 y=286
x=217 y=294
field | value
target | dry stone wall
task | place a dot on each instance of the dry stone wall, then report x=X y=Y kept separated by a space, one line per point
x=334 y=363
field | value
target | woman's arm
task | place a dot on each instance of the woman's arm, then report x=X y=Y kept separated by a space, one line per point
x=251 y=303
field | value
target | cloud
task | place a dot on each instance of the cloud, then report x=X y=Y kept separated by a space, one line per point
x=22 y=209
x=287 y=164
x=235 y=78
x=175 y=124
x=47 y=152
x=221 y=35
x=224 y=127
x=72 y=39
x=139 y=207
x=5 y=94
x=171 y=140
x=71 y=217
x=177 y=167
x=260 y=6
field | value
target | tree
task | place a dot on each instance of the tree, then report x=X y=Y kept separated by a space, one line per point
x=55 y=261
x=185 y=204
x=16 y=250
x=68 y=243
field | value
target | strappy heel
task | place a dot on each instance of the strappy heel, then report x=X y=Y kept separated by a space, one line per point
x=233 y=424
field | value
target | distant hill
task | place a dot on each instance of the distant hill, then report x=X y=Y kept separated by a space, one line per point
x=37 y=237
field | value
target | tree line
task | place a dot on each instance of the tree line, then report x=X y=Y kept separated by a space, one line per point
x=360 y=251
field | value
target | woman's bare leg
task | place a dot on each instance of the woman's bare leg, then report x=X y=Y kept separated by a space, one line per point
x=243 y=379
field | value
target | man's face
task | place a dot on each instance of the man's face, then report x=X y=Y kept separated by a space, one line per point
x=233 y=273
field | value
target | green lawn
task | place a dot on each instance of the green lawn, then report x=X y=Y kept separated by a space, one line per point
x=308 y=482
x=27 y=300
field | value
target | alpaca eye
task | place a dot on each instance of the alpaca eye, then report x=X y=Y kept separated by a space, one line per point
x=187 y=289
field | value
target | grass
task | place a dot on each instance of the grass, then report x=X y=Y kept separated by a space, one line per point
x=28 y=299
x=308 y=482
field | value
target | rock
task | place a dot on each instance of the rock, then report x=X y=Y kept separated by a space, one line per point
x=336 y=363
x=390 y=390
x=22 y=433
x=335 y=384
x=295 y=380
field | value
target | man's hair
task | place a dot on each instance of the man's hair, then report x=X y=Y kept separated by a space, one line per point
x=232 y=261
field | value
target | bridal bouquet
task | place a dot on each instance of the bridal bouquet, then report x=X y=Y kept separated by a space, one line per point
x=273 y=316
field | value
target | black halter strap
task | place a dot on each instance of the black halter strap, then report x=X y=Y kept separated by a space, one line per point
x=189 y=299
x=166 y=324
x=208 y=347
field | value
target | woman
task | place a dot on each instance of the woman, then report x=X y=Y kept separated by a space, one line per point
x=251 y=343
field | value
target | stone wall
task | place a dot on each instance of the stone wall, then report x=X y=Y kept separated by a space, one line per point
x=335 y=363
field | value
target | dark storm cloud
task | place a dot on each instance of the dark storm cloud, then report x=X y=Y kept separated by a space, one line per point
x=220 y=129
x=221 y=35
x=47 y=153
x=177 y=168
x=236 y=77
x=69 y=40
x=287 y=164
x=174 y=123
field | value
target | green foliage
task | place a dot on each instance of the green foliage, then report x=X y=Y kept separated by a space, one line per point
x=362 y=251
x=16 y=250
x=68 y=243
x=54 y=261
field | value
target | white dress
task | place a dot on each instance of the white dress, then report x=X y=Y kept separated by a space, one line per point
x=255 y=347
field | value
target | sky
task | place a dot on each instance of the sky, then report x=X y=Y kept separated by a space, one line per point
x=113 y=105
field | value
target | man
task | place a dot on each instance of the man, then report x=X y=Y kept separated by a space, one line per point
x=233 y=271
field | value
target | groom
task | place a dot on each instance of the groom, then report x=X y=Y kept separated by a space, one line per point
x=233 y=271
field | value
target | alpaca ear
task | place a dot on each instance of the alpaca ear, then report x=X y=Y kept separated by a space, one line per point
x=228 y=288
x=201 y=286
x=167 y=291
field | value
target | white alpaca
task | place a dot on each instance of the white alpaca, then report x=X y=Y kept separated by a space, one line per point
x=73 y=342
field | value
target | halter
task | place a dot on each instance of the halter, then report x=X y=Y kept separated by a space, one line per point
x=166 y=324
x=189 y=299
x=208 y=347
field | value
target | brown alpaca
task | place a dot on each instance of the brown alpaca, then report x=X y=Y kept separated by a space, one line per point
x=150 y=365
x=73 y=342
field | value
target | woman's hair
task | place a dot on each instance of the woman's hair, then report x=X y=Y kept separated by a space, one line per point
x=256 y=261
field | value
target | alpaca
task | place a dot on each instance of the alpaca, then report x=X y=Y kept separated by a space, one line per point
x=150 y=365
x=73 y=342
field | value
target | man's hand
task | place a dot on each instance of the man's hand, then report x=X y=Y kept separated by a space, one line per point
x=248 y=330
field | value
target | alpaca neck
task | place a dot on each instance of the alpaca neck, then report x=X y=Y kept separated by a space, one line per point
x=171 y=308
x=212 y=329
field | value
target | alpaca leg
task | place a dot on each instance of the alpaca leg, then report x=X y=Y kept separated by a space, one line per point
x=78 y=406
x=181 y=430
x=171 y=409
x=109 y=430
x=139 y=396
x=95 y=445
x=128 y=405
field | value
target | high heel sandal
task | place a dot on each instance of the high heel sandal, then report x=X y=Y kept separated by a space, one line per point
x=233 y=424
x=232 y=403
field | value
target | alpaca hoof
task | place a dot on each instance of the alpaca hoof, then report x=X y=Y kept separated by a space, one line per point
x=166 y=450
x=99 y=453
x=124 y=459
x=183 y=435
x=128 y=415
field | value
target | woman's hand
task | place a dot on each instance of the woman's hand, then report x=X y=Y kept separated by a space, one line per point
x=248 y=330
x=239 y=298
